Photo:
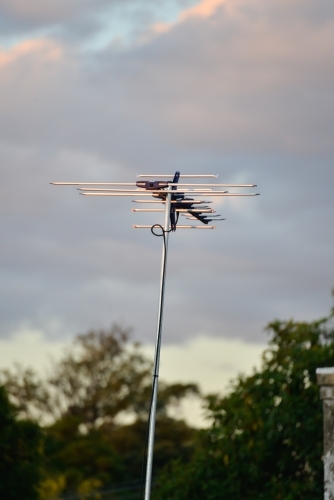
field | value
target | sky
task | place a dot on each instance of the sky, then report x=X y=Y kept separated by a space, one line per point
x=103 y=90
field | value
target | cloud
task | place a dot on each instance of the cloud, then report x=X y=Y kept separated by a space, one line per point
x=87 y=24
x=238 y=75
x=230 y=81
x=203 y=9
x=245 y=92
x=38 y=10
x=225 y=84
x=47 y=51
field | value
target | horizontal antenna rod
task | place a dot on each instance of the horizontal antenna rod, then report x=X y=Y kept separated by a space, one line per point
x=209 y=218
x=211 y=214
x=136 y=226
x=150 y=192
x=191 y=202
x=147 y=191
x=93 y=183
x=133 y=184
x=195 y=176
x=196 y=210
x=214 y=185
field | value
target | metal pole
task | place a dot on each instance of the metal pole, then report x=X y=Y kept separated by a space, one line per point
x=325 y=378
x=151 y=431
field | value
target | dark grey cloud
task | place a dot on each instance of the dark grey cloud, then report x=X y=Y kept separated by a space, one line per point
x=247 y=94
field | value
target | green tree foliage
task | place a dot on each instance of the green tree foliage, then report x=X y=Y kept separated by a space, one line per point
x=20 y=454
x=101 y=376
x=98 y=377
x=94 y=407
x=266 y=438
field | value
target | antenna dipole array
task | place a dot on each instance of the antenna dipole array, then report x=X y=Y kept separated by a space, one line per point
x=176 y=198
x=185 y=198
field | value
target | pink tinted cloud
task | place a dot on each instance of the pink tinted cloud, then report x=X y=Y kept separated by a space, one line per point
x=250 y=70
x=45 y=49
x=205 y=8
x=238 y=79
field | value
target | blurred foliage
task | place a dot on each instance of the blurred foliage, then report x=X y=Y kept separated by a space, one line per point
x=93 y=409
x=99 y=376
x=51 y=487
x=266 y=439
x=88 y=489
x=20 y=454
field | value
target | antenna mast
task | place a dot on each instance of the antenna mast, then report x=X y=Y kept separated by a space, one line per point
x=176 y=198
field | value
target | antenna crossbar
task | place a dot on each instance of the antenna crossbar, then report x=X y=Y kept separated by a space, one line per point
x=181 y=210
x=172 y=201
x=133 y=184
x=148 y=193
x=137 y=226
x=183 y=176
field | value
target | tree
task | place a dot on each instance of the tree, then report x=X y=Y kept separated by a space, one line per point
x=20 y=454
x=266 y=438
x=101 y=382
x=99 y=378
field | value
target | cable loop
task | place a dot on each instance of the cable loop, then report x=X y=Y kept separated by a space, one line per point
x=163 y=230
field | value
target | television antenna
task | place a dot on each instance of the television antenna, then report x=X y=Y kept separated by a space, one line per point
x=177 y=198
